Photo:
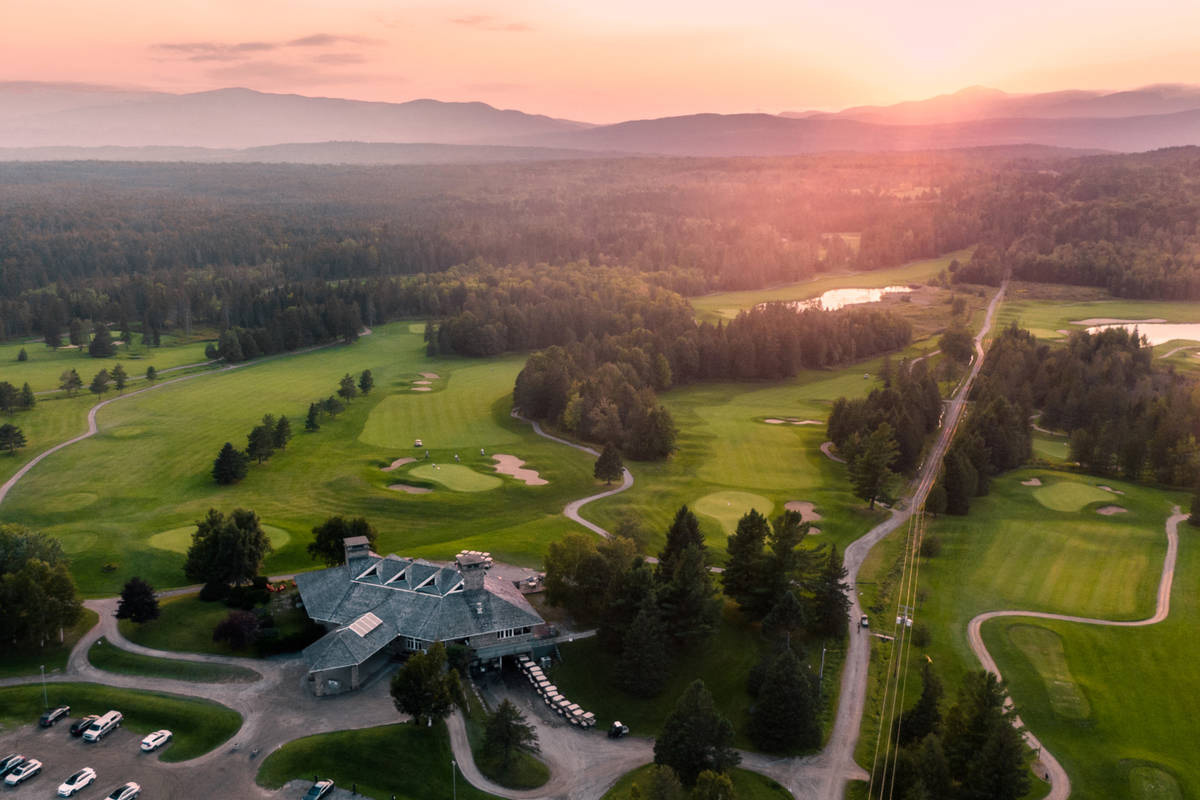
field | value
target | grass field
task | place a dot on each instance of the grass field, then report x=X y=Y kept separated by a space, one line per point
x=1016 y=551
x=54 y=657
x=404 y=761
x=726 y=305
x=747 y=785
x=111 y=658
x=198 y=725
x=44 y=366
x=185 y=624
x=1046 y=310
x=178 y=540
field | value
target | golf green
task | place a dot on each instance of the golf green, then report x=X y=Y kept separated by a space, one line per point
x=728 y=507
x=1070 y=495
x=456 y=477
x=178 y=540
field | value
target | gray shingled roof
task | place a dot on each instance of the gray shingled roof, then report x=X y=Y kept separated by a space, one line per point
x=413 y=598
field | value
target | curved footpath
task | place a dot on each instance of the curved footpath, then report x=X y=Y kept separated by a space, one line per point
x=1060 y=782
x=94 y=428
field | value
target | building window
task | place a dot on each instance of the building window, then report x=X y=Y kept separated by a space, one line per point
x=506 y=634
x=413 y=644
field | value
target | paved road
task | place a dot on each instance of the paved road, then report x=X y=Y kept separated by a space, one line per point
x=572 y=509
x=1060 y=782
x=94 y=428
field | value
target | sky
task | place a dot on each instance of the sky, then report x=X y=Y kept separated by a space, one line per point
x=606 y=60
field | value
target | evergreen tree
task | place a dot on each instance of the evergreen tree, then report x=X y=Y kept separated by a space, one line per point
x=695 y=737
x=327 y=544
x=52 y=333
x=101 y=345
x=226 y=550
x=151 y=374
x=998 y=770
x=684 y=532
x=784 y=718
x=830 y=598
x=645 y=665
x=366 y=382
x=9 y=397
x=925 y=717
x=787 y=619
x=75 y=331
x=506 y=733
x=712 y=786
x=138 y=601
x=70 y=382
x=332 y=406
x=959 y=478
x=870 y=468
x=746 y=564
x=1194 y=516
x=932 y=768
x=100 y=382
x=11 y=437
x=229 y=347
x=230 y=465
x=120 y=377
x=22 y=356
x=28 y=400
x=968 y=724
x=260 y=444
x=661 y=784
x=282 y=433
x=624 y=598
x=608 y=465
x=424 y=688
x=346 y=388
x=690 y=604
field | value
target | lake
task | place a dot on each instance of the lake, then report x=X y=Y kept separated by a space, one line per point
x=834 y=299
x=1158 y=332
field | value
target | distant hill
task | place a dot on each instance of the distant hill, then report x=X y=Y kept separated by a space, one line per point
x=239 y=118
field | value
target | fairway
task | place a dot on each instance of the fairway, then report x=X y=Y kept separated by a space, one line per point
x=1044 y=649
x=456 y=477
x=729 y=507
x=1070 y=495
x=1046 y=311
x=178 y=540
x=44 y=366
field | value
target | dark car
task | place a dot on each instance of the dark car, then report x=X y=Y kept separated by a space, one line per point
x=618 y=730
x=10 y=762
x=126 y=791
x=53 y=715
x=81 y=725
x=319 y=790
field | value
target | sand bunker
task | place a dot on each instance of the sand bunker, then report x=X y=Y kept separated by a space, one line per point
x=1108 y=511
x=421 y=389
x=433 y=376
x=813 y=531
x=422 y=383
x=1112 y=321
x=404 y=487
x=792 y=421
x=1063 y=331
x=511 y=465
x=805 y=421
x=399 y=462
x=1032 y=482
x=807 y=512
x=773 y=421
x=1110 y=489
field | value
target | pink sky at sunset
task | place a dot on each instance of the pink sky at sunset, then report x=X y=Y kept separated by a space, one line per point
x=606 y=61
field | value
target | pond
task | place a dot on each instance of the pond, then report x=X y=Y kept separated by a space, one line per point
x=834 y=299
x=1157 y=332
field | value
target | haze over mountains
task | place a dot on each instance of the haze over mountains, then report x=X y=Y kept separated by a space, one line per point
x=72 y=121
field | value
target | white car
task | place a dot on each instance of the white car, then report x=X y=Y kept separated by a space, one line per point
x=85 y=777
x=126 y=791
x=155 y=741
x=24 y=772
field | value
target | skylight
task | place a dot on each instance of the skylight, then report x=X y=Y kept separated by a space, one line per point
x=365 y=624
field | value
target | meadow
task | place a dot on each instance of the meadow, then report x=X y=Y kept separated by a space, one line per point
x=1038 y=548
x=726 y=305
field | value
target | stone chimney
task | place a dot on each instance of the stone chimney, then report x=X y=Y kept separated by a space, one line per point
x=473 y=566
x=356 y=547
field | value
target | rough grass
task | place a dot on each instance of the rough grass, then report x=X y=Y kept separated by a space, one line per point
x=1070 y=494
x=111 y=658
x=44 y=366
x=747 y=785
x=455 y=477
x=185 y=624
x=409 y=762
x=728 y=507
x=1152 y=783
x=198 y=725
x=54 y=657
x=726 y=305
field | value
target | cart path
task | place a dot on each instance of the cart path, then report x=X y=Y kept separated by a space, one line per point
x=571 y=511
x=827 y=449
x=1060 y=782
x=94 y=428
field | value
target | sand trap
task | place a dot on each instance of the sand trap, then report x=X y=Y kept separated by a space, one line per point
x=1032 y=482
x=773 y=421
x=805 y=421
x=1110 y=489
x=421 y=389
x=813 y=531
x=433 y=376
x=1063 y=331
x=399 y=462
x=511 y=465
x=1108 y=511
x=1112 y=321
x=422 y=383
x=404 y=487
x=807 y=512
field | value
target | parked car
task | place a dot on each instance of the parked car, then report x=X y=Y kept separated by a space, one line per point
x=126 y=791
x=103 y=726
x=53 y=715
x=24 y=772
x=155 y=741
x=85 y=777
x=864 y=621
x=82 y=724
x=319 y=790
x=618 y=730
x=10 y=762
x=417 y=443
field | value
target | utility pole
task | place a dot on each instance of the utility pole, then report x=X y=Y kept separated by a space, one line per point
x=45 y=699
x=453 y=780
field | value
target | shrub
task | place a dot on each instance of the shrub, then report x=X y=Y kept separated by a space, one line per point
x=214 y=591
x=931 y=547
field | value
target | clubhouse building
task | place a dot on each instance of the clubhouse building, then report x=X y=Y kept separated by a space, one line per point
x=377 y=608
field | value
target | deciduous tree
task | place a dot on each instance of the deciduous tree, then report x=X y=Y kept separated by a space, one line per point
x=70 y=382
x=424 y=688
x=608 y=466
x=327 y=544
x=11 y=437
x=226 y=550
x=239 y=629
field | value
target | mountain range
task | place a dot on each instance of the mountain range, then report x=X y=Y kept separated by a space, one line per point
x=79 y=121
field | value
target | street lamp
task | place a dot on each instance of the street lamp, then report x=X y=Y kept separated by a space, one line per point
x=453 y=780
x=45 y=700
